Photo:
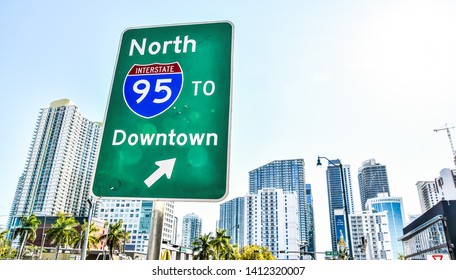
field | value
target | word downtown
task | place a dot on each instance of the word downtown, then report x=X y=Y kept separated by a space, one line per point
x=120 y=137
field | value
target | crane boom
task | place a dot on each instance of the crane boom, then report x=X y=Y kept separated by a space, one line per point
x=449 y=137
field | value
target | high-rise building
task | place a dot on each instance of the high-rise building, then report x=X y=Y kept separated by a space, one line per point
x=446 y=184
x=309 y=214
x=137 y=218
x=336 y=199
x=272 y=221
x=427 y=194
x=372 y=179
x=59 y=166
x=232 y=219
x=442 y=188
x=289 y=176
x=371 y=236
x=395 y=212
x=175 y=233
x=191 y=229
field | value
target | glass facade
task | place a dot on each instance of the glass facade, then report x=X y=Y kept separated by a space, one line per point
x=428 y=240
x=137 y=218
x=335 y=196
x=372 y=179
x=433 y=234
x=394 y=208
x=191 y=229
x=232 y=219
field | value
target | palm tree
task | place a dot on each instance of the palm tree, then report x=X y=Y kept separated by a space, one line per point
x=221 y=243
x=93 y=239
x=3 y=238
x=5 y=244
x=202 y=247
x=232 y=252
x=63 y=231
x=27 y=231
x=115 y=237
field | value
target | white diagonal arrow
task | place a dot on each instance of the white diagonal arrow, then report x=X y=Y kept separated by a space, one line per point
x=164 y=167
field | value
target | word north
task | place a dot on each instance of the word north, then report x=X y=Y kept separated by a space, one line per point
x=153 y=48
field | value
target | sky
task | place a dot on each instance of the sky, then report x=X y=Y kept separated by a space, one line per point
x=348 y=80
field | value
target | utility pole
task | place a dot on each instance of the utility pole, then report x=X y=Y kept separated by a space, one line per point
x=449 y=137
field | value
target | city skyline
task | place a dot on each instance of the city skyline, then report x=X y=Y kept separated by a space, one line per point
x=345 y=80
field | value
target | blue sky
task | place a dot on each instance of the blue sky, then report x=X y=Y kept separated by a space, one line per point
x=343 y=79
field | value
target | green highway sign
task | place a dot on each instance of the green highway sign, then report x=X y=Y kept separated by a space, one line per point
x=166 y=134
x=331 y=253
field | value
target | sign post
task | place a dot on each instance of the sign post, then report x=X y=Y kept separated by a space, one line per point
x=166 y=134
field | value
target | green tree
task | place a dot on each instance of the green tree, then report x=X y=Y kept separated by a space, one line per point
x=255 y=252
x=115 y=236
x=221 y=244
x=5 y=245
x=94 y=240
x=26 y=231
x=4 y=238
x=202 y=247
x=63 y=232
x=232 y=253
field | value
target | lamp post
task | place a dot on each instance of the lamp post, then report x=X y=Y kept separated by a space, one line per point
x=87 y=231
x=345 y=204
x=125 y=237
x=43 y=237
x=236 y=232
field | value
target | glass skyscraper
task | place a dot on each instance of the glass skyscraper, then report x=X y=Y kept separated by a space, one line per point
x=191 y=229
x=372 y=179
x=60 y=164
x=396 y=220
x=232 y=219
x=289 y=176
x=336 y=198
x=309 y=214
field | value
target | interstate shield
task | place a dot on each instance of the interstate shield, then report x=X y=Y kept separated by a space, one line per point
x=151 y=89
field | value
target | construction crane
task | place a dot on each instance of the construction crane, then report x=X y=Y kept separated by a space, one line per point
x=449 y=137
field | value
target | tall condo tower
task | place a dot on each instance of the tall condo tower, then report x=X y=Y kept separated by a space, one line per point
x=336 y=199
x=372 y=179
x=191 y=229
x=289 y=176
x=60 y=164
x=232 y=219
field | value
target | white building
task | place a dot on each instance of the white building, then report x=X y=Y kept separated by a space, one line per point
x=137 y=218
x=446 y=184
x=427 y=194
x=442 y=188
x=191 y=229
x=272 y=220
x=60 y=164
x=370 y=235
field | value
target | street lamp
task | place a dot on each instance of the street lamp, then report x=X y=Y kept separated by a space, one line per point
x=345 y=204
x=87 y=230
